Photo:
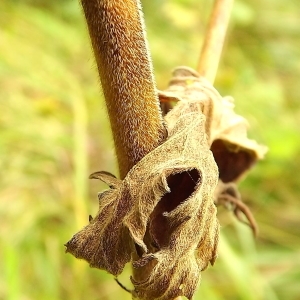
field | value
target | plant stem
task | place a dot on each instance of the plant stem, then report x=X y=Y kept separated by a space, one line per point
x=214 y=39
x=117 y=32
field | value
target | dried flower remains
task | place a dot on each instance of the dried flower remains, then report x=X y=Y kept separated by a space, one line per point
x=234 y=153
x=162 y=216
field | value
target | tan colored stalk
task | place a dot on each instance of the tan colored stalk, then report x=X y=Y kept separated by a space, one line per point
x=118 y=37
x=214 y=39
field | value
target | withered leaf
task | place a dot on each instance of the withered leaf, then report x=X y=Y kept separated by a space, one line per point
x=234 y=153
x=227 y=131
x=162 y=215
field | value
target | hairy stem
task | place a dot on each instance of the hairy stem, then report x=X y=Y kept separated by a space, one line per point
x=214 y=39
x=118 y=37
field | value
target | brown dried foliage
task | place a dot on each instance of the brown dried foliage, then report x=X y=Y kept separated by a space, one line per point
x=226 y=130
x=165 y=203
x=234 y=153
x=162 y=216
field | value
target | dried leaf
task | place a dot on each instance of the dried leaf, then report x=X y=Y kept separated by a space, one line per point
x=227 y=132
x=234 y=153
x=162 y=215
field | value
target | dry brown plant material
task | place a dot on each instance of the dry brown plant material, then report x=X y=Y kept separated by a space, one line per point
x=234 y=153
x=162 y=214
x=226 y=130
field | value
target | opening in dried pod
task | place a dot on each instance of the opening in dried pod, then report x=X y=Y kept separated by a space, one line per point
x=182 y=185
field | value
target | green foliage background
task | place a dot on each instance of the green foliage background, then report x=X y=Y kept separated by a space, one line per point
x=54 y=132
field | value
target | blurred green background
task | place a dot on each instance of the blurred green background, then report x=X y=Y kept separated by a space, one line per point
x=54 y=132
